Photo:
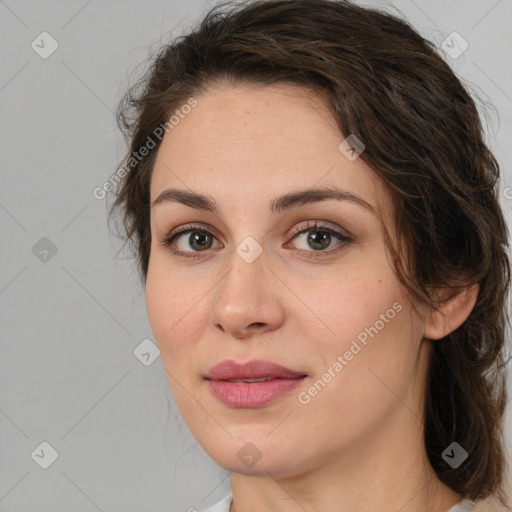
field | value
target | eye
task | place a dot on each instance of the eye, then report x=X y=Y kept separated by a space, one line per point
x=319 y=238
x=200 y=240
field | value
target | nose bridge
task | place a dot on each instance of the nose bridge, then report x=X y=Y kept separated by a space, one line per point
x=245 y=275
x=243 y=296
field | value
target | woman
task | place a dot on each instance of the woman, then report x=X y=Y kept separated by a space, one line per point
x=316 y=221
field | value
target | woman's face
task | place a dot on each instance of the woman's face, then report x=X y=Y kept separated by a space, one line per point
x=256 y=281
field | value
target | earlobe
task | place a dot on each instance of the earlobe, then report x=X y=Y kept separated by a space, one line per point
x=452 y=313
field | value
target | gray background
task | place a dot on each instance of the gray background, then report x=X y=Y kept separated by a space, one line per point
x=70 y=324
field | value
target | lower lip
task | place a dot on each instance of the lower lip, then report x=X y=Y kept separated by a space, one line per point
x=255 y=394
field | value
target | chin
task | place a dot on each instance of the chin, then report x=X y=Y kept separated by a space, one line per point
x=257 y=457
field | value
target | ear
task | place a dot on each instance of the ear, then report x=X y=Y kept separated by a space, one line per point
x=456 y=307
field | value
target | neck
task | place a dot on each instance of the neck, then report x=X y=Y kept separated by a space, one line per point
x=364 y=478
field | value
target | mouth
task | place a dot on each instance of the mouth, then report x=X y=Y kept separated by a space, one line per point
x=249 y=381
x=256 y=370
x=253 y=384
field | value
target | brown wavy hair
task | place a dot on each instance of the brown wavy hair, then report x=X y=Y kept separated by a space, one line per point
x=387 y=85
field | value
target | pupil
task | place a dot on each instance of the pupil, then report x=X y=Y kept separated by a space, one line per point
x=316 y=242
x=199 y=237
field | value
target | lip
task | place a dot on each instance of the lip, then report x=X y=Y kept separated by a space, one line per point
x=254 y=369
x=256 y=394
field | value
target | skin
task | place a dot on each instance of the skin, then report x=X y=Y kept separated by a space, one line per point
x=358 y=444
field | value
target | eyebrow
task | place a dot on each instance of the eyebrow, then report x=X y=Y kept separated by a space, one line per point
x=277 y=205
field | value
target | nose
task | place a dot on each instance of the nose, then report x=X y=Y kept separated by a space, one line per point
x=247 y=299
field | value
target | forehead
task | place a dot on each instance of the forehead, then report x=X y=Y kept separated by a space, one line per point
x=248 y=143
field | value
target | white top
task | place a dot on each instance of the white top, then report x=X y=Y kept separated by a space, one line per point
x=224 y=504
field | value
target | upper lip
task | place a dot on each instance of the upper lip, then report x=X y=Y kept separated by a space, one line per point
x=257 y=368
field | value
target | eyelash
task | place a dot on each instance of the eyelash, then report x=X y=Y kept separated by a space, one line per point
x=315 y=226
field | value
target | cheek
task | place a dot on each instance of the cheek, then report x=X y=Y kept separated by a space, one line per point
x=173 y=306
x=351 y=301
x=369 y=325
x=368 y=365
x=176 y=329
